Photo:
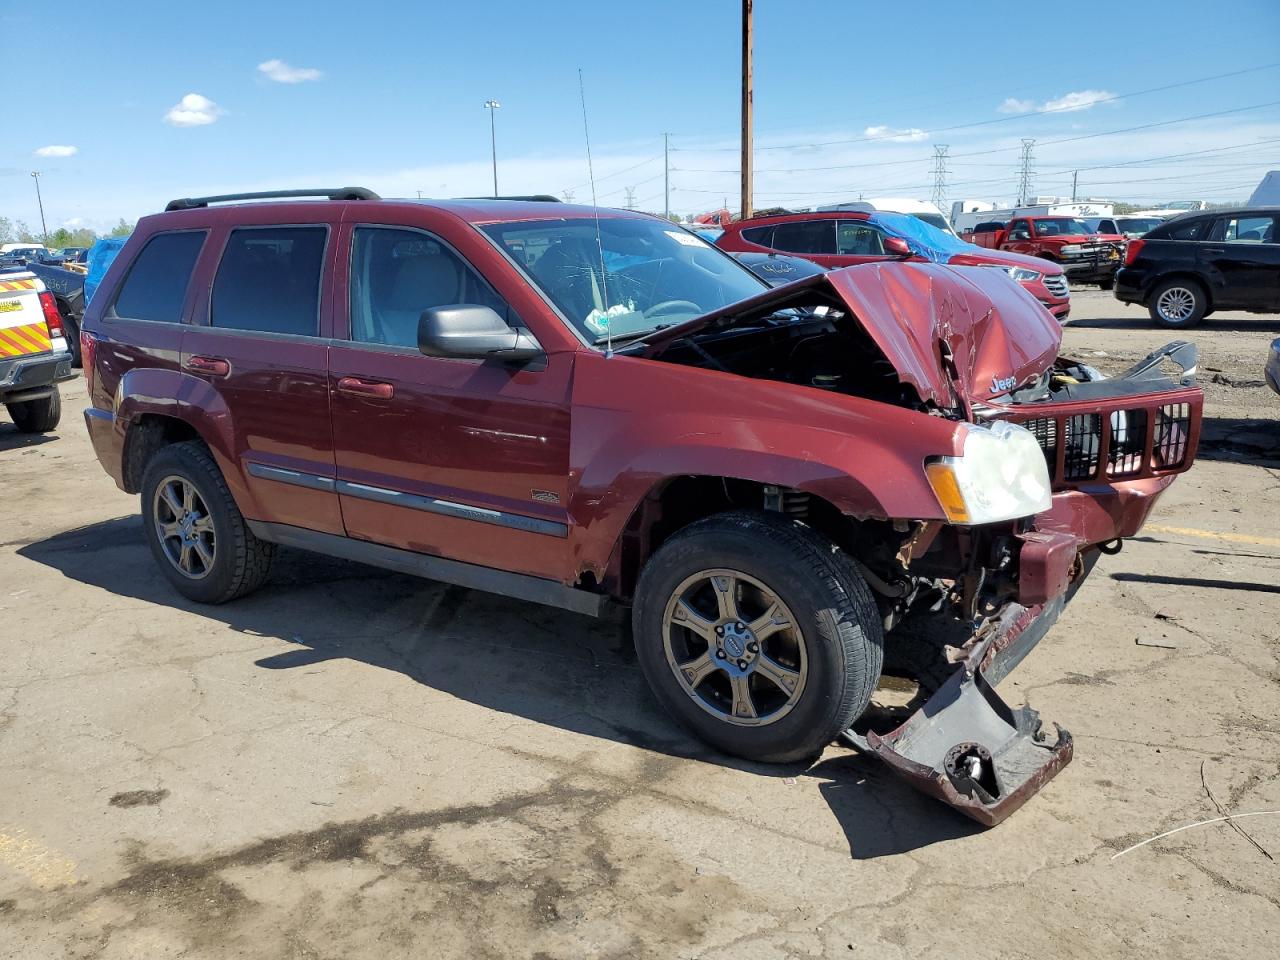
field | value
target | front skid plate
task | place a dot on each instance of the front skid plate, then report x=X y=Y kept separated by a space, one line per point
x=967 y=747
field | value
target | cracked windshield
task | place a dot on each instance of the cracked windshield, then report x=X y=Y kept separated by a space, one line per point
x=629 y=278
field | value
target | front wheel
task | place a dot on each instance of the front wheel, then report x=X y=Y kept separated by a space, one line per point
x=759 y=636
x=1178 y=304
x=36 y=416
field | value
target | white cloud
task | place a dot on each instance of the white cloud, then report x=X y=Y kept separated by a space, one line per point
x=57 y=150
x=1067 y=103
x=1013 y=105
x=1079 y=100
x=193 y=110
x=281 y=72
x=895 y=135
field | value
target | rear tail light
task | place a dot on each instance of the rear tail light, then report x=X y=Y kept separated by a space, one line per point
x=1132 y=249
x=88 y=354
x=52 y=318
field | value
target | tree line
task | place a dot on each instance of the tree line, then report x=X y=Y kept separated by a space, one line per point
x=17 y=231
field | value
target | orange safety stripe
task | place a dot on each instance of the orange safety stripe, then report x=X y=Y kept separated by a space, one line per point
x=30 y=338
x=17 y=284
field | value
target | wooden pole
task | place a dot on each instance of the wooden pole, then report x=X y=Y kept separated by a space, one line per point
x=747 y=109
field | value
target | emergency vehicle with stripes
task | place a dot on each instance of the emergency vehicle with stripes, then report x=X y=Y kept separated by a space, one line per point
x=33 y=353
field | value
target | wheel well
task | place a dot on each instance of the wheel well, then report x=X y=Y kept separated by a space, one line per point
x=680 y=501
x=1045 y=255
x=148 y=434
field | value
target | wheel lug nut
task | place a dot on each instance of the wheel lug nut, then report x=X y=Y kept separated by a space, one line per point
x=753 y=647
x=742 y=664
x=720 y=654
x=719 y=631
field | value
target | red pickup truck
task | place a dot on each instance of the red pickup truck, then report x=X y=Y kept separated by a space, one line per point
x=1068 y=241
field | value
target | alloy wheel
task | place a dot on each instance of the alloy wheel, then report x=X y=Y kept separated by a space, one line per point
x=184 y=527
x=735 y=647
x=1176 y=304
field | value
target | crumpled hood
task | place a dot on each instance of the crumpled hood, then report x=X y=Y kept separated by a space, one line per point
x=998 y=335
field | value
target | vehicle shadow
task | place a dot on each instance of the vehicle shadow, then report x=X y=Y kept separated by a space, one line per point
x=1143 y=321
x=1197 y=582
x=544 y=665
x=13 y=439
x=1241 y=440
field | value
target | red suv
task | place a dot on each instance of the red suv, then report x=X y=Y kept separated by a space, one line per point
x=843 y=238
x=595 y=408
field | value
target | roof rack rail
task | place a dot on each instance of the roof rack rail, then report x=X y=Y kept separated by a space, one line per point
x=331 y=193
x=531 y=198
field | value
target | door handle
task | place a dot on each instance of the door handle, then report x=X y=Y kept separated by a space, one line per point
x=356 y=387
x=1214 y=250
x=211 y=365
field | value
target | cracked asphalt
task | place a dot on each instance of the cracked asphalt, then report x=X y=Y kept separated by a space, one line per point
x=352 y=763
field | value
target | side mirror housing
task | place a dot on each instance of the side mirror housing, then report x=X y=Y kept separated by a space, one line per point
x=471 y=331
x=897 y=247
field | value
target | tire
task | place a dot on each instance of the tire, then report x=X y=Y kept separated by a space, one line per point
x=71 y=330
x=1178 y=304
x=36 y=416
x=1107 y=284
x=827 y=655
x=210 y=554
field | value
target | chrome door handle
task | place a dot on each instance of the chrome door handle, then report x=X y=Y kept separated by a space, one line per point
x=214 y=366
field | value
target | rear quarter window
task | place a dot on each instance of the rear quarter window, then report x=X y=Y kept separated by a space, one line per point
x=760 y=236
x=1188 y=230
x=269 y=281
x=156 y=285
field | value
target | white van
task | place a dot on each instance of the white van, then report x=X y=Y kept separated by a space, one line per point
x=920 y=209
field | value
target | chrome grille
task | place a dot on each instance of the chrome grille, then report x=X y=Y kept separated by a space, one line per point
x=1057 y=285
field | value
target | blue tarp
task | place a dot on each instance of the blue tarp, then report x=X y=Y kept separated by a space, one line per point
x=925 y=240
x=100 y=256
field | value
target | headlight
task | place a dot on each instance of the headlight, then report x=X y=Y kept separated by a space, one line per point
x=1071 y=248
x=1022 y=274
x=1002 y=475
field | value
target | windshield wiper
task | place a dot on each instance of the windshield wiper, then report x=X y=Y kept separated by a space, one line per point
x=630 y=337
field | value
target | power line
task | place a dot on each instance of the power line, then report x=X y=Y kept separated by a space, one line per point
x=1066 y=108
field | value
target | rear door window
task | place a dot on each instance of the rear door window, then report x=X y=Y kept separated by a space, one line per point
x=156 y=284
x=760 y=236
x=1191 y=230
x=806 y=236
x=1243 y=230
x=397 y=274
x=269 y=281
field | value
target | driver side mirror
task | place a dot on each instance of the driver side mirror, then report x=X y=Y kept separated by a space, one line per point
x=897 y=247
x=470 y=331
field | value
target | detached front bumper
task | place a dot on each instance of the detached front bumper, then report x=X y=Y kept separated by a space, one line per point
x=966 y=746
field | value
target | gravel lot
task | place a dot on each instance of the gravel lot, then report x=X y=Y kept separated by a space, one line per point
x=356 y=764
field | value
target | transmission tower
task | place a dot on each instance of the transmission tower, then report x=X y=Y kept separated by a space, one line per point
x=631 y=197
x=940 y=176
x=1025 y=174
x=568 y=196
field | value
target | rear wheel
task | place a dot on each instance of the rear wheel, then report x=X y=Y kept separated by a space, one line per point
x=1178 y=303
x=195 y=530
x=71 y=330
x=1107 y=284
x=36 y=416
x=755 y=633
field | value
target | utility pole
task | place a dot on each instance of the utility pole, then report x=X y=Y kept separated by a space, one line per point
x=1074 y=175
x=631 y=197
x=940 y=176
x=44 y=230
x=666 y=175
x=1025 y=173
x=493 y=106
x=748 y=108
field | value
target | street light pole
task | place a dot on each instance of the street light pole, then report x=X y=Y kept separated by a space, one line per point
x=492 y=106
x=44 y=230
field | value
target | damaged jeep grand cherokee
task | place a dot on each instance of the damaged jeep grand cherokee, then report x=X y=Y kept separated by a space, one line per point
x=791 y=488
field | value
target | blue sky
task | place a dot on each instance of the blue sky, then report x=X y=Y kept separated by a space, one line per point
x=389 y=95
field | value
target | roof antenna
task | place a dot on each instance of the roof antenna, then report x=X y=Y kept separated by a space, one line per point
x=604 y=290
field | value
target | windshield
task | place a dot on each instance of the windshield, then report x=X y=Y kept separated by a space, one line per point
x=1061 y=226
x=935 y=220
x=642 y=274
x=1136 y=226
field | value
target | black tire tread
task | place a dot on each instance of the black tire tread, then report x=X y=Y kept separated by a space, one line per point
x=252 y=558
x=857 y=617
x=37 y=416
